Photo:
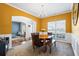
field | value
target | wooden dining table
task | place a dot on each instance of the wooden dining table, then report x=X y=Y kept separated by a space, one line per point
x=46 y=39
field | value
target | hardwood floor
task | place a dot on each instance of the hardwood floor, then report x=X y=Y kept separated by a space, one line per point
x=61 y=49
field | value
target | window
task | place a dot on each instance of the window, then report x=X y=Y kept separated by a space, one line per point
x=58 y=28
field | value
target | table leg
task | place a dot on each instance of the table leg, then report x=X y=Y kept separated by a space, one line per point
x=50 y=50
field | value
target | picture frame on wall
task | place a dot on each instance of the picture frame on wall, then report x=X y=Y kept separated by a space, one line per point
x=75 y=13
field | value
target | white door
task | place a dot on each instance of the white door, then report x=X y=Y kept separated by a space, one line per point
x=30 y=28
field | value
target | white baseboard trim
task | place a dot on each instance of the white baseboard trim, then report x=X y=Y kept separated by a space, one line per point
x=74 y=44
x=75 y=53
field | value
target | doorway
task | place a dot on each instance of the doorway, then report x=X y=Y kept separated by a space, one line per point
x=22 y=27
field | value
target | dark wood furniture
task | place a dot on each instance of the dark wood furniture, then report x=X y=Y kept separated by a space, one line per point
x=49 y=33
x=42 y=40
x=36 y=42
x=2 y=47
x=47 y=41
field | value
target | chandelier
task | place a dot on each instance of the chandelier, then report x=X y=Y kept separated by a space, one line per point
x=42 y=11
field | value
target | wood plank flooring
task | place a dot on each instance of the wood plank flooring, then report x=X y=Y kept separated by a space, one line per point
x=61 y=49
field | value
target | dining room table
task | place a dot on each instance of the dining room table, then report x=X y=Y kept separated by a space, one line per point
x=47 y=40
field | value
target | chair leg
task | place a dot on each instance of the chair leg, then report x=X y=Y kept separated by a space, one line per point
x=50 y=49
x=39 y=50
x=33 y=48
x=55 y=43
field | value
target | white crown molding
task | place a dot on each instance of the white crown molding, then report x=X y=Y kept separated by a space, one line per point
x=19 y=9
x=59 y=14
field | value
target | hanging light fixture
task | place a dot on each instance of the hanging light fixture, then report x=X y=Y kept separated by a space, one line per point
x=42 y=14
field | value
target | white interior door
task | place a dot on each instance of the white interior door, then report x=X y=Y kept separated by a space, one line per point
x=30 y=28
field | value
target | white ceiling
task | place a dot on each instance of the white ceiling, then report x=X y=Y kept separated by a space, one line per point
x=43 y=9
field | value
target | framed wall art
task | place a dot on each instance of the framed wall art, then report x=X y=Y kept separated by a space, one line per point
x=75 y=13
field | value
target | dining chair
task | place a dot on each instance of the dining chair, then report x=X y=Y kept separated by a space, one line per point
x=49 y=33
x=49 y=44
x=36 y=42
x=51 y=41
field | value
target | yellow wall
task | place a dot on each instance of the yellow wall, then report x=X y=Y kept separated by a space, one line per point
x=6 y=13
x=66 y=16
